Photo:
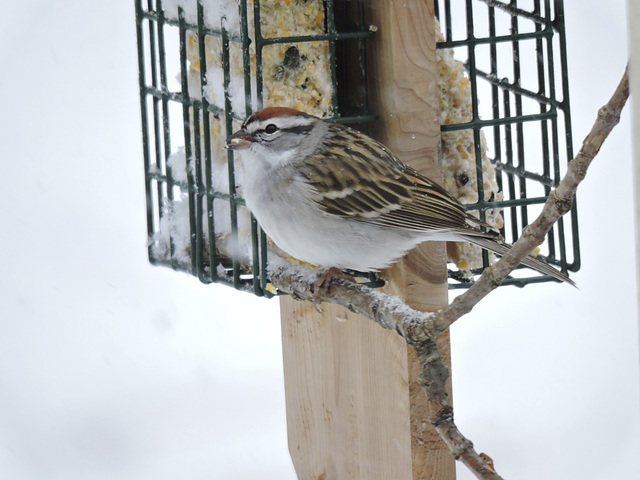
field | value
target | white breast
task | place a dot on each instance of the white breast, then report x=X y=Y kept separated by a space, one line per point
x=281 y=204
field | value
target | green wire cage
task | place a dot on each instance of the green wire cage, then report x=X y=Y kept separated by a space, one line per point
x=206 y=65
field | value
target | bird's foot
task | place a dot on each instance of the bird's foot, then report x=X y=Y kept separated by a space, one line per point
x=323 y=283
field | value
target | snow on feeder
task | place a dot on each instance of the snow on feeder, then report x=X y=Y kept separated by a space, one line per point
x=205 y=66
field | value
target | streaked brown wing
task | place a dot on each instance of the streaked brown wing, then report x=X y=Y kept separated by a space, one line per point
x=386 y=192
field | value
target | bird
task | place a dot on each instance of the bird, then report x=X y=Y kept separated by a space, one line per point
x=333 y=197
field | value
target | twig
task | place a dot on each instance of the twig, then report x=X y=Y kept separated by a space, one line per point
x=420 y=329
x=514 y=11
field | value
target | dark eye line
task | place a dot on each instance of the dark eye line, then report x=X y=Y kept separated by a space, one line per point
x=300 y=129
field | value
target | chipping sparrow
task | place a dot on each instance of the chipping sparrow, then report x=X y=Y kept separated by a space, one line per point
x=334 y=197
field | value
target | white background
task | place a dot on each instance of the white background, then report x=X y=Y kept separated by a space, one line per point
x=113 y=369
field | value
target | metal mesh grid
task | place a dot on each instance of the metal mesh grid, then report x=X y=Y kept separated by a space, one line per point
x=175 y=111
x=515 y=55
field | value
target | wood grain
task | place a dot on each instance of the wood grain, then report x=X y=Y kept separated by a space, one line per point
x=346 y=383
x=354 y=408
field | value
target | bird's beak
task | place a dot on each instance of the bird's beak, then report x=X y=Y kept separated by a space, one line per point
x=239 y=140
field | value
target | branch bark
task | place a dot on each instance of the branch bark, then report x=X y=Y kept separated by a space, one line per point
x=420 y=329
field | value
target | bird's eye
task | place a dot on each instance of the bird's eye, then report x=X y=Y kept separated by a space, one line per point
x=271 y=128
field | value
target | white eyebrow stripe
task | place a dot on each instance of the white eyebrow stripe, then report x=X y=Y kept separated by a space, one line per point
x=281 y=122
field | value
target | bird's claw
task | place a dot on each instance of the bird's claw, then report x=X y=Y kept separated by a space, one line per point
x=322 y=285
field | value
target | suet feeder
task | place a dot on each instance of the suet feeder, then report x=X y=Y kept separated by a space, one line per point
x=205 y=66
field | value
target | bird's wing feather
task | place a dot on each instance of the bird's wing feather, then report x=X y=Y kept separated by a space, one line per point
x=386 y=192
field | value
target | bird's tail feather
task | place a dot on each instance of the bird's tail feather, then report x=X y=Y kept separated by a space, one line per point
x=529 y=261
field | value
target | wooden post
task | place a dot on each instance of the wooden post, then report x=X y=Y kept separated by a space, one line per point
x=354 y=407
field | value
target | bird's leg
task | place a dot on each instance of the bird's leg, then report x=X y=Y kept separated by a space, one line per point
x=323 y=282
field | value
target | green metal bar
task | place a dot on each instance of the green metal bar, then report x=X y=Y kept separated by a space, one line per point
x=554 y=160
x=556 y=150
x=515 y=88
x=522 y=173
x=331 y=36
x=331 y=28
x=163 y=81
x=364 y=118
x=145 y=128
x=259 y=39
x=196 y=103
x=166 y=194
x=187 y=144
x=544 y=125
x=520 y=154
x=257 y=271
x=471 y=55
x=514 y=11
x=495 y=101
x=488 y=40
x=214 y=260
x=151 y=15
x=233 y=204
x=362 y=61
x=472 y=60
x=263 y=263
x=559 y=25
x=561 y=224
x=508 y=120
x=509 y=162
x=244 y=286
x=266 y=41
x=448 y=29
x=516 y=202
x=197 y=181
x=206 y=129
x=516 y=282
x=246 y=55
x=183 y=99
x=155 y=104
x=186 y=187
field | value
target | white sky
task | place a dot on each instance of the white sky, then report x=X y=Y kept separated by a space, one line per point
x=113 y=369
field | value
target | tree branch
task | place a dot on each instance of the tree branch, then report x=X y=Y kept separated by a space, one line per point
x=420 y=329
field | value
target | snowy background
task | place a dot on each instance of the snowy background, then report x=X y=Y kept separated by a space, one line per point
x=113 y=369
